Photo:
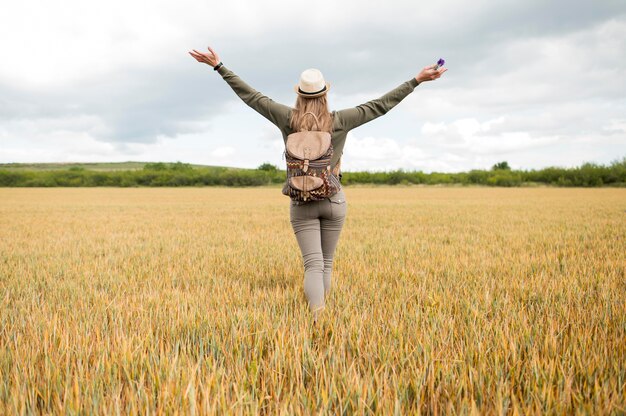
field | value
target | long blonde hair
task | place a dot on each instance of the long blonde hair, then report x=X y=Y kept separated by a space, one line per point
x=317 y=106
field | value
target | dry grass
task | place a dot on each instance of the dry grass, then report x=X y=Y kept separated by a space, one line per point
x=444 y=300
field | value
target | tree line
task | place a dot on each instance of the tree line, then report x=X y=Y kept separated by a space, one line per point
x=183 y=174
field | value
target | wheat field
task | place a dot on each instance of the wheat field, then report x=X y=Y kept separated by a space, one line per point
x=191 y=301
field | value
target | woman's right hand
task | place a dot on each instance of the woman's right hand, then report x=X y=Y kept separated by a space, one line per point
x=209 y=58
x=429 y=73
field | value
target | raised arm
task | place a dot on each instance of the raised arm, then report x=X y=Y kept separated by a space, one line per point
x=275 y=112
x=356 y=116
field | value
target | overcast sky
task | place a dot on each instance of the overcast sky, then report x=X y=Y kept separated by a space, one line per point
x=534 y=82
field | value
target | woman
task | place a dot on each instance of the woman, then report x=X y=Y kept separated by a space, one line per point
x=316 y=224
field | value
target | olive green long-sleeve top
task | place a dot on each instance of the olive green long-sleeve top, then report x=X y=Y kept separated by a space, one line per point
x=343 y=120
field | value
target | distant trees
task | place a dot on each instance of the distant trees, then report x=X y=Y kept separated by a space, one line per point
x=267 y=167
x=155 y=166
x=183 y=174
x=160 y=166
x=504 y=165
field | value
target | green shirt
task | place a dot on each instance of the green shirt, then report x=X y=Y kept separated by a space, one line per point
x=344 y=120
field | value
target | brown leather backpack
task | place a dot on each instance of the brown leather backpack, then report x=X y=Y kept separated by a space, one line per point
x=309 y=177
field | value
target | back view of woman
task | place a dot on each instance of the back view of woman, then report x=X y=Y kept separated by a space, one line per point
x=317 y=223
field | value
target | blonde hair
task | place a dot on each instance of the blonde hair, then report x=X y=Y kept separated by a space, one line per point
x=317 y=106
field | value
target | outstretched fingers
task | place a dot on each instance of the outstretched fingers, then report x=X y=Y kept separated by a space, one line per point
x=213 y=53
x=197 y=57
x=440 y=72
x=436 y=73
x=203 y=57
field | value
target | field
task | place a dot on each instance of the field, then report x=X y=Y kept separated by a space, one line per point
x=190 y=300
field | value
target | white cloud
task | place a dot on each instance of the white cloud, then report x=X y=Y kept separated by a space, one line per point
x=62 y=44
x=470 y=135
x=616 y=126
x=381 y=153
x=223 y=151
x=60 y=146
x=49 y=127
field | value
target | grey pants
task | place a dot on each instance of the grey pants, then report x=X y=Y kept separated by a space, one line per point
x=317 y=225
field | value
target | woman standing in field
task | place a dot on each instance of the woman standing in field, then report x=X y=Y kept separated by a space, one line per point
x=317 y=224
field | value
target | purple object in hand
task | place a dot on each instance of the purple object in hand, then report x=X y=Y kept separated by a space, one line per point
x=440 y=62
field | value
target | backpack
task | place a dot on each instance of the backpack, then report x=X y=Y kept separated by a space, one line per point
x=309 y=177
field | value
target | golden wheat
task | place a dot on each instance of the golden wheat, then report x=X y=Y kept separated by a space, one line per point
x=190 y=301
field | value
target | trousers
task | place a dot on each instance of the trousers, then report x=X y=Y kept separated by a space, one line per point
x=317 y=225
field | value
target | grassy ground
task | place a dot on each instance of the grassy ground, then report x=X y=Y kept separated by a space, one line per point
x=190 y=300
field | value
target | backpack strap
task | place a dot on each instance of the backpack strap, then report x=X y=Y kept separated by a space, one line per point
x=317 y=123
x=337 y=167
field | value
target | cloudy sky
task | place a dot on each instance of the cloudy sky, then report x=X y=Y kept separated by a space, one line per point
x=534 y=82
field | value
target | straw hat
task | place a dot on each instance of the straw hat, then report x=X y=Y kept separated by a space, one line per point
x=311 y=84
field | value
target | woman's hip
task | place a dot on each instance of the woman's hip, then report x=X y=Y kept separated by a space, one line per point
x=333 y=207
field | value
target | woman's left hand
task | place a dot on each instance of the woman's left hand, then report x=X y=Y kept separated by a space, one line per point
x=209 y=58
